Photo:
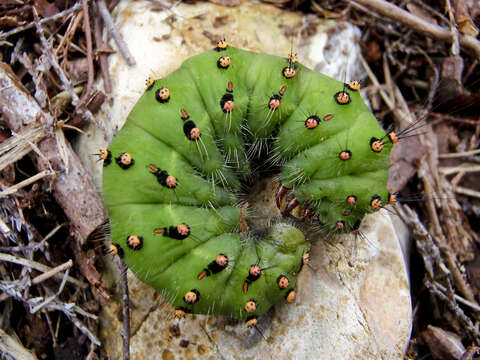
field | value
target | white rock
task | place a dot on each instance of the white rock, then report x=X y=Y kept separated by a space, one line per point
x=352 y=305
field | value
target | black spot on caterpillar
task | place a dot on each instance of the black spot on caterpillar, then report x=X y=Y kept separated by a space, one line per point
x=328 y=165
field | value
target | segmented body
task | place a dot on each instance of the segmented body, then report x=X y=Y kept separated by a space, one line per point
x=173 y=191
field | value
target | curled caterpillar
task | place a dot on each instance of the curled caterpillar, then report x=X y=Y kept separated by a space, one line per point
x=189 y=150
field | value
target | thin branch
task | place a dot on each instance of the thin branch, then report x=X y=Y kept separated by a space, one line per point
x=40 y=267
x=60 y=15
x=32 y=246
x=376 y=83
x=112 y=29
x=452 y=118
x=67 y=85
x=459 y=298
x=466 y=167
x=99 y=44
x=88 y=37
x=468 y=192
x=458 y=154
x=54 y=271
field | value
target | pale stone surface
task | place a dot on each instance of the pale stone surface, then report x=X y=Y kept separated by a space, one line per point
x=352 y=305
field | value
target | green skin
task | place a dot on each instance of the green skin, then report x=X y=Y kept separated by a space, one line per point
x=206 y=197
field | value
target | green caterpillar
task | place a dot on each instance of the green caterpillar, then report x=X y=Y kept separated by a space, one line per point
x=175 y=175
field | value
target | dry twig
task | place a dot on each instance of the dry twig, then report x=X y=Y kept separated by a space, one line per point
x=14 y=188
x=60 y=15
x=419 y=25
x=99 y=45
x=52 y=272
x=469 y=192
x=112 y=30
x=459 y=154
x=40 y=267
x=88 y=37
x=125 y=308
x=432 y=258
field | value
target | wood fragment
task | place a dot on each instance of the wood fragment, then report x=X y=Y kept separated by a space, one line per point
x=420 y=12
x=16 y=147
x=13 y=349
x=86 y=262
x=463 y=19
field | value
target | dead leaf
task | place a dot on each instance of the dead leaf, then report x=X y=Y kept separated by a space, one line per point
x=45 y=8
x=443 y=345
x=463 y=19
x=405 y=158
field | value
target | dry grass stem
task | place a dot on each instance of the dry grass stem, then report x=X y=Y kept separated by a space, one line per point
x=465 y=167
x=469 y=192
x=113 y=31
x=459 y=154
x=14 y=188
x=459 y=298
x=60 y=15
x=88 y=38
x=16 y=147
x=39 y=267
x=54 y=271
x=67 y=85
